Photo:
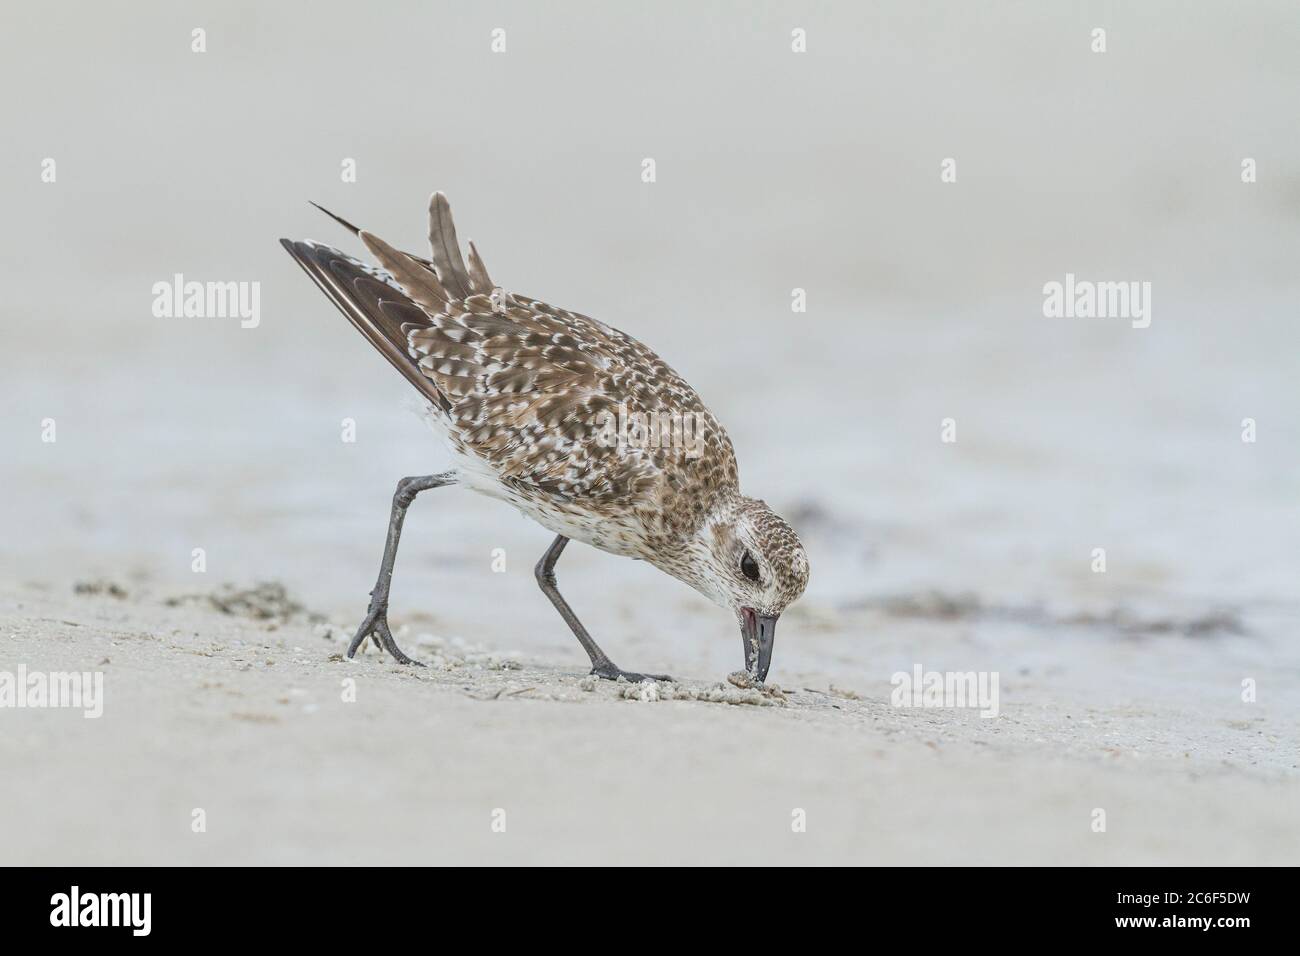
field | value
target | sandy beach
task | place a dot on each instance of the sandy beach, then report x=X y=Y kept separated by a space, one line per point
x=251 y=720
x=194 y=508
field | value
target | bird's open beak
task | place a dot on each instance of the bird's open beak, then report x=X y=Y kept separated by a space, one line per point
x=758 y=632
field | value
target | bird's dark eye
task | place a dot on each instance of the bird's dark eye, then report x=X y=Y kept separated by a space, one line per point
x=748 y=566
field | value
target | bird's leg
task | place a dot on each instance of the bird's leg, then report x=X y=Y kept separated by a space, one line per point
x=376 y=622
x=601 y=665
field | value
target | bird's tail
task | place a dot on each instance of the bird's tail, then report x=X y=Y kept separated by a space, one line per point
x=385 y=304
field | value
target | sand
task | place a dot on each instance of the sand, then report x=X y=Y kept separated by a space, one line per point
x=196 y=457
x=245 y=717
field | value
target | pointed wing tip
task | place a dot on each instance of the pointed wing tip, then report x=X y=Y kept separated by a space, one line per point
x=337 y=218
x=295 y=248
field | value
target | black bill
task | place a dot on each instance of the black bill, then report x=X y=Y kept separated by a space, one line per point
x=758 y=631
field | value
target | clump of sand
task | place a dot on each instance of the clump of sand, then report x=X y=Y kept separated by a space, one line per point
x=100 y=586
x=943 y=606
x=756 y=695
x=264 y=601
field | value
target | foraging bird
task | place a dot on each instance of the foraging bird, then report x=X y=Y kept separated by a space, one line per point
x=525 y=395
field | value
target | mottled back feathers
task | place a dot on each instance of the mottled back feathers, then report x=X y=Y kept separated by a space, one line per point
x=526 y=388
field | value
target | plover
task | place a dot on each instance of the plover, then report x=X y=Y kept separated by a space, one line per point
x=523 y=393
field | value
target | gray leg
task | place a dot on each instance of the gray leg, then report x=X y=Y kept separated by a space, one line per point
x=601 y=665
x=376 y=622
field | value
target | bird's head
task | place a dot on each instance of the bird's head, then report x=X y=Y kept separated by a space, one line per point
x=747 y=559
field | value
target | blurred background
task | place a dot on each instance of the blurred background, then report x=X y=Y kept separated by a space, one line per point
x=775 y=171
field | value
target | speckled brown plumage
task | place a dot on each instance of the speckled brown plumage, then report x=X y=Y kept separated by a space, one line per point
x=520 y=389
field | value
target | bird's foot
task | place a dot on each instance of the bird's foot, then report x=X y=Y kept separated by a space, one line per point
x=610 y=672
x=375 y=626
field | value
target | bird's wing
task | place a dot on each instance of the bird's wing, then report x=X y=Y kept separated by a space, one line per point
x=374 y=302
x=544 y=395
x=534 y=391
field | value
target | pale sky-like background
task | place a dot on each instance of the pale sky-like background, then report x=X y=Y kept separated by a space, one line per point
x=775 y=171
